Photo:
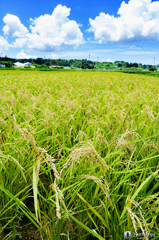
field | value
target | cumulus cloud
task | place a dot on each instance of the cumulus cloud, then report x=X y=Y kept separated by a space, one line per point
x=4 y=45
x=23 y=55
x=54 y=32
x=138 y=20
x=47 y=33
x=54 y=56
x=14 y=27
x=20 y=42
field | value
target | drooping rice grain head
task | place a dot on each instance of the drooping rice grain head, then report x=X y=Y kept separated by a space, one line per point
x=4 y=123
x=154 y=145
x=133 y=217
x=141 y=214
x=85 y=151
x=54 y=187
x=104 y=186
x=50 y=161
x=122 y=142
x=12 y=159
x=59 y=198
x=100 y=159
x=150 y=198
x=70 y=132
x=80 y=136
x=59 y=152
x=77 y=154
x=28 y=136
x=149 y=113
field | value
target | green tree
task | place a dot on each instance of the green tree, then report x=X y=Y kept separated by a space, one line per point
x=87 y=64
x=152 y=69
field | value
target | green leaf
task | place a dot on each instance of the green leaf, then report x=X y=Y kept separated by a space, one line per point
x=35 y=192
x=86 y=228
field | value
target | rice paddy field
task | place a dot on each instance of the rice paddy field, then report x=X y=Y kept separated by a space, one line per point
x=79 y=155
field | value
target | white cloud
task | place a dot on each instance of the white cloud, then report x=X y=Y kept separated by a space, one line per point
x=48 y=33
x=4 y=45
x=54 y=32
x=109 y=60
x=20 y=42
x=14 y=27
x=138 y=20
x=54 y=56
x=23 y=55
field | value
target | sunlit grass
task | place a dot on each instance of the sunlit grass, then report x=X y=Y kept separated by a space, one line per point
x=79 y=155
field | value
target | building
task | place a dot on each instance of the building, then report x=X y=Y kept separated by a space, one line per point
x=27 y=64
x=18 y=64
x=68 y=67
x=55 y=66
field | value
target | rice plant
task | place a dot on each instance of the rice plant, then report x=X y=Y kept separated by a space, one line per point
x=79 y=155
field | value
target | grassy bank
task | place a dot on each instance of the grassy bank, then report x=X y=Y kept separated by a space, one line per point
x=79 y=155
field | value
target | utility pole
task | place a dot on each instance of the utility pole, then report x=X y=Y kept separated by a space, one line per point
x=89 y=57
x=154 y=61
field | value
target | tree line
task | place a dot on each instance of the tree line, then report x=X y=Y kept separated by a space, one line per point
x=77 y=63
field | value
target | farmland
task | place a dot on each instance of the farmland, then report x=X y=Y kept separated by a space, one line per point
x=79 y=155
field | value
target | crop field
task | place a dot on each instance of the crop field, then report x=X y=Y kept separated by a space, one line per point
x=79 y=155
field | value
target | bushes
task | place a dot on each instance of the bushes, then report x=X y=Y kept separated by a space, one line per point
x=152 y=69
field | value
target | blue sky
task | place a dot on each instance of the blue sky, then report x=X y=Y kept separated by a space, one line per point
x=105 y=30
